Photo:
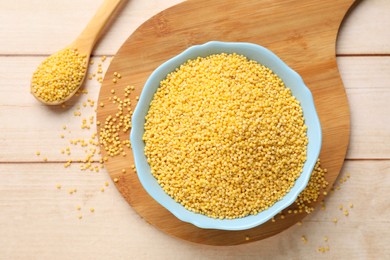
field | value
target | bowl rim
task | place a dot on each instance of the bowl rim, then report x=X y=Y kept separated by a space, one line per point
x=138 y=120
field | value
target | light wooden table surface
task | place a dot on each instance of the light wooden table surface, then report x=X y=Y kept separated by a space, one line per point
x=38 y=221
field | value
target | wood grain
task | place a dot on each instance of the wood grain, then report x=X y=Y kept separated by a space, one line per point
x=302 y=33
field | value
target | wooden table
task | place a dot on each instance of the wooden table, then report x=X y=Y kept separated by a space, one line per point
x=39 y=221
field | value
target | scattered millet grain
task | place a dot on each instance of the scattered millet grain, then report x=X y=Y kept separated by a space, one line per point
x=323 y=249
x=67 y=164
x=310 y=194
x=58 y=186
x=117 y=75
x=59 y=75
x=91 y=102
x=120 y=122
x=224 y=136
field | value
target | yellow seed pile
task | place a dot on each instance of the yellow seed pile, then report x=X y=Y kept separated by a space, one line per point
x=225 y=137
x=59 y=75
x=313 y=189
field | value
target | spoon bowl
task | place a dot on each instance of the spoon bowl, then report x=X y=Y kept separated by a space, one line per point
x=84 y=45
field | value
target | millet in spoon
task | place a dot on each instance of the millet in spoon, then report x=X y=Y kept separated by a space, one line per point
x=59 y=77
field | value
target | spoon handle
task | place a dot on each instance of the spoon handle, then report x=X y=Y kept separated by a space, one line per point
x=89 y=36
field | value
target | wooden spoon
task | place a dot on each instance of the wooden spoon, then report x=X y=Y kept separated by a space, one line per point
x=86 y=41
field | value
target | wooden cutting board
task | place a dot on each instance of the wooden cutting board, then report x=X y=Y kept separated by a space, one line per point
x=301 y=32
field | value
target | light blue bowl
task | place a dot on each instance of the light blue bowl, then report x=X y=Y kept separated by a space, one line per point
x=291 y=79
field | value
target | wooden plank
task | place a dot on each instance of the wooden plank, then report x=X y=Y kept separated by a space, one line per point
x=370 y=136
x=26 y=30
x=368 y=89
x=365 y=31
x=39 y=221
x=366 y=80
